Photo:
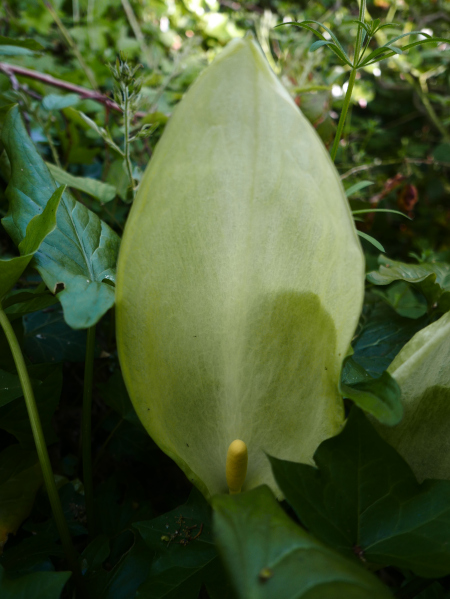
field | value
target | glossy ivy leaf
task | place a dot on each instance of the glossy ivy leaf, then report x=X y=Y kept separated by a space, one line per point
x=185 y=554
x=103 y=192
x=48 y=338
x=20 y=479
x=39 y=585
x=240 y=278
x=431 y=278
x=382 y=336
x=36 y=231
x=269 y=557
x=403 y=299
x=80 y=254
x=380 y=397
x=422 y=371
x=121 y=581
x=363 y=499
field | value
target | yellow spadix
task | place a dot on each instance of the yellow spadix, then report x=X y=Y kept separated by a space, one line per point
x=240 y=279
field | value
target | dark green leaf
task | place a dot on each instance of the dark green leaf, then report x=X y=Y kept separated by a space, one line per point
x=80 y=254
x=181 y=559
x=268 y=556
x=103 y=192
x=20 y=478
x=14 y=416
x=382 y=336
x=32 y=554
x=20 y=303
x=379 y=396
x=38 y=585
x=402 y=298
x=10 y=387
x=47 y=338
x=364 y=499
x=116 y=397
x=123 y=580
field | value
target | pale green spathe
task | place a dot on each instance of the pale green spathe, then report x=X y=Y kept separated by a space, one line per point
x=240 y=278
x=422 y=369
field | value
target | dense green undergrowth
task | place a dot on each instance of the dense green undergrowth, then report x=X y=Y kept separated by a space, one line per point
x=89 y=505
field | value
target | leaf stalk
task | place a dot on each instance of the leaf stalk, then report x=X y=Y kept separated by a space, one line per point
x=41 y=448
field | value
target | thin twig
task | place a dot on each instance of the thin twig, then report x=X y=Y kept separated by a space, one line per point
x=10 y=69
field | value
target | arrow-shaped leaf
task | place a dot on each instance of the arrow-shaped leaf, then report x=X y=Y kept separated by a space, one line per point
x=80 y=254
x=36 y=230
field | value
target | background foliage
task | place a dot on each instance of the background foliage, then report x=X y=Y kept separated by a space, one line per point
x=395 y=154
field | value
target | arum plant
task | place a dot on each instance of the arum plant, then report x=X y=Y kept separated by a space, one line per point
x=362 y=56
x=240 y=281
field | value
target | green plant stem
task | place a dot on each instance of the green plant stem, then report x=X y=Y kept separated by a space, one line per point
x=127 y=118
x=42 y=452
x=351 y=83
x=86 y=428
x=341 y=123
x=413 y=588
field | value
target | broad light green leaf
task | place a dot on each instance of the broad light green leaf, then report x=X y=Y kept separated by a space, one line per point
x=58 y=102
x=422 y=369
x=240 y=278
x=80 y=254
x=182 y=562
x=363 y=499
x=432 y=279
x=39 y=585
x=20 y=478
x=10 y=46
x=269 y=557
x=37 y=229
x=103 y=192
x=377 y=396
